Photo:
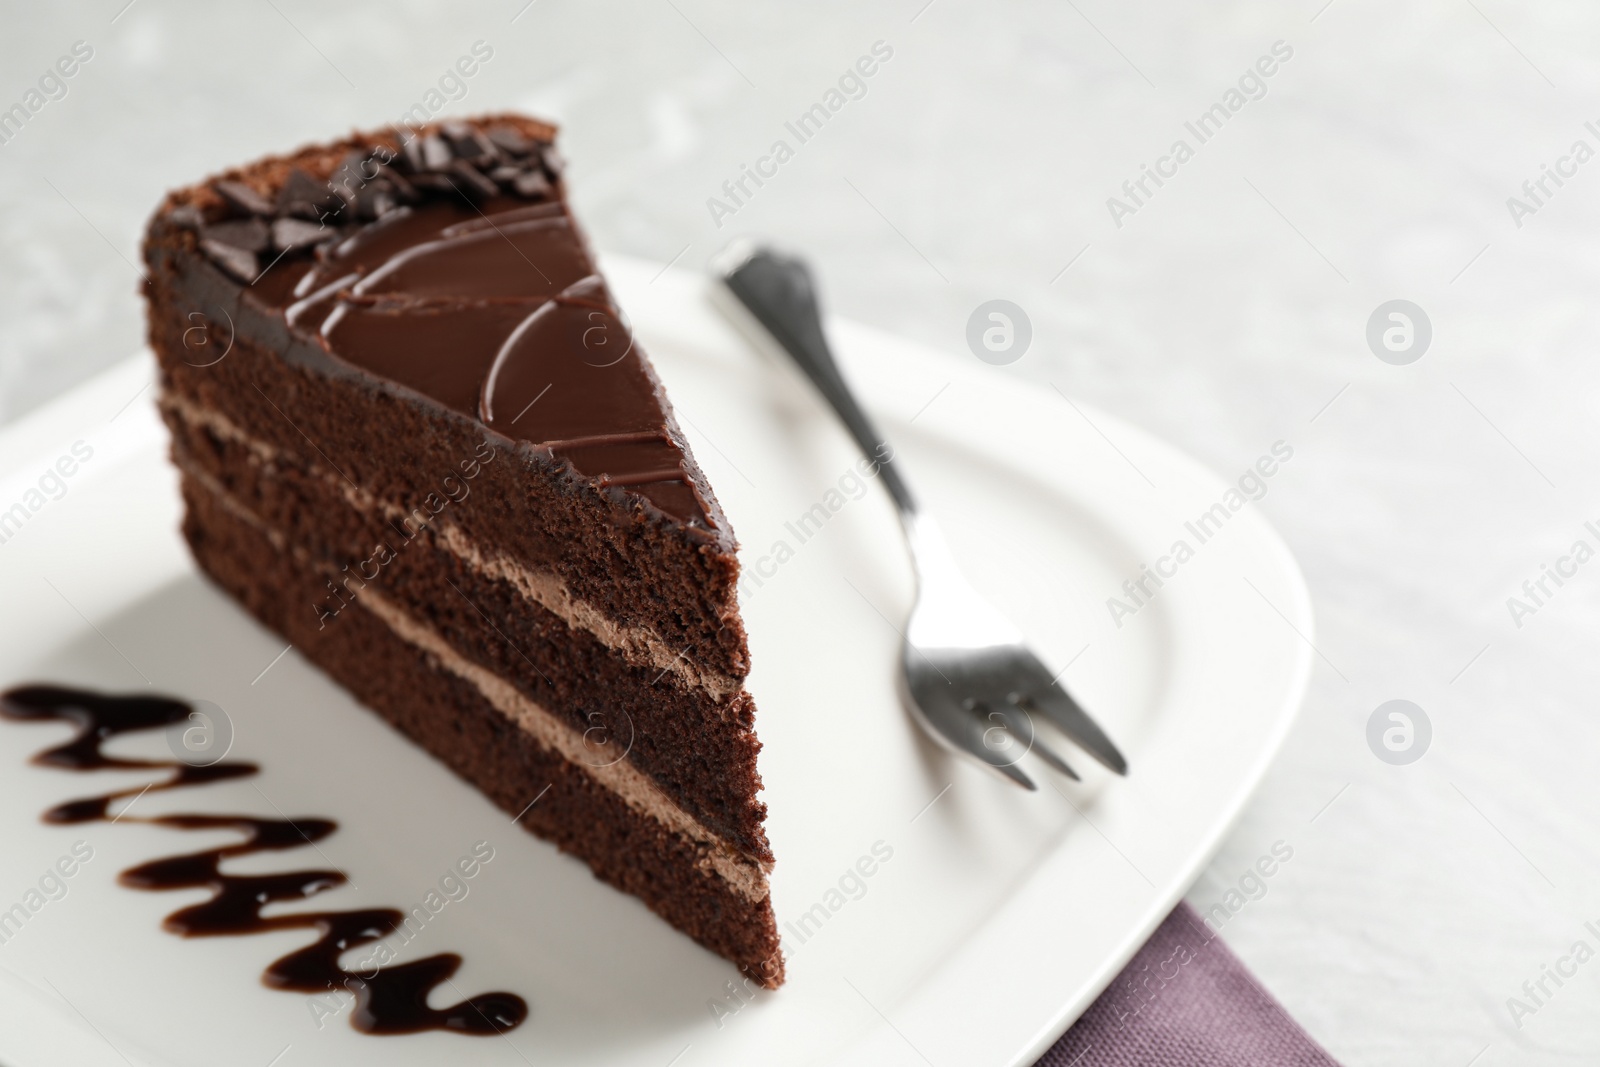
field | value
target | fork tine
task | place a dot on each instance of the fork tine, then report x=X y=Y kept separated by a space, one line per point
x=1011 y=771
x=1057 y=705
x=1045 y=753
x=1048 y=755
x=1021 y=723
x=963 y=732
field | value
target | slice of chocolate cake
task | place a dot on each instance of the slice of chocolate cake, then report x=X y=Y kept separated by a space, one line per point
x=416 y=438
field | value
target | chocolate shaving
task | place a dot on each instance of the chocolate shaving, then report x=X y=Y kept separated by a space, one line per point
x=436 y=154
x=305 y=197
x=243 y=198
x=469 y=144
x=247 y=235
x=430 y=182
x=297 y=233
x=235 y=261
x=471 y=182
x=404 y=191
x=533 y=185
x=349 y=177
x=458 y=159
x=510 y=140
x=186 y=217
x=374 y=202
x=411 y=160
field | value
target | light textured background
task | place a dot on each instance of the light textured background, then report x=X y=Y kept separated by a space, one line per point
x=1228 y=313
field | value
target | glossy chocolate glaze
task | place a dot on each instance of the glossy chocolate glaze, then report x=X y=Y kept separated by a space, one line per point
x=493 y=308
x=390 y=1000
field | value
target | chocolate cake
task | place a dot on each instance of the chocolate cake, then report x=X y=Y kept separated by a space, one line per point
x=416 y=438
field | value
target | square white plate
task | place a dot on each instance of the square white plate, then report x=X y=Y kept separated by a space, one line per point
x=998 y=917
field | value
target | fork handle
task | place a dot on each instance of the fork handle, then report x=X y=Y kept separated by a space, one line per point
x=780 y=292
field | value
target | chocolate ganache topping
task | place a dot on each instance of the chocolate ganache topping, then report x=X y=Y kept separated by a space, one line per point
x=452 y=266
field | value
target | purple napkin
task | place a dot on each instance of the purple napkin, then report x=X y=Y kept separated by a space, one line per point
x=1184 y=1000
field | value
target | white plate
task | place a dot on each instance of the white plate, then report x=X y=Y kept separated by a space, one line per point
x=1000 y=915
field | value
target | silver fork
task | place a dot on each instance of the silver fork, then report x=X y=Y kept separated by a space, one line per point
x=972 y=683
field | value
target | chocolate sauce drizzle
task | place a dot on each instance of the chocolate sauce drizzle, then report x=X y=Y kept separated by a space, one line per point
x=390 y=1000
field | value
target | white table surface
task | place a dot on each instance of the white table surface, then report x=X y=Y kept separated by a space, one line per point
x=1225 y=315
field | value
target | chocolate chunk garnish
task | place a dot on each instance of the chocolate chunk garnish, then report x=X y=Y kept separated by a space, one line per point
x=470 y=181
x=436 y=154
x=305 y=197
x=375 y=201
x=235 y=261
x=432 y=182
x=243 y=198
x=532 y=184
x=383 y=155
x=510 y=140
x=297 y=233
x=457 y=159
x=404 y=191
x=186 y=216
x=247 y=235
x=350 y=176
x=467 y=143
x=411 y=160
